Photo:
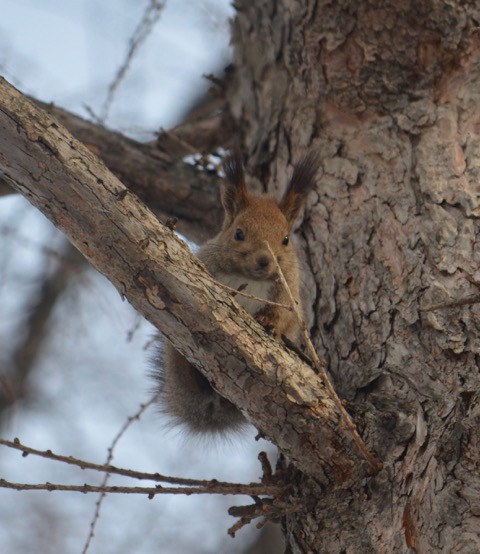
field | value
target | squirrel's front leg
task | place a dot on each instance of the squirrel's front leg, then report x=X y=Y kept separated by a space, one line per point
x=268 y=319
x=277 y=322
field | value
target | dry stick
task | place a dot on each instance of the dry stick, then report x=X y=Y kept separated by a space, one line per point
x=143 y=29
x=187 y=484
x=236 y=292
x=106 y=477
x=268 y=509
x=320 y=366
x=150 y=491
x=83 y=464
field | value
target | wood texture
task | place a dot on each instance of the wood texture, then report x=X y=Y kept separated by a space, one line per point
x=389 y=93
x=156 y=171
x=155 y=271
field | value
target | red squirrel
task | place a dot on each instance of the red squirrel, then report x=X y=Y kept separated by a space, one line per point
x=239 y=258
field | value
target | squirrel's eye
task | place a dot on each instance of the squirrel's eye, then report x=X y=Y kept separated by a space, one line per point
x=239 y=235
x=285 y=240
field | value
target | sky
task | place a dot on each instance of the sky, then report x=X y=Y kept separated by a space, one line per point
x=93 y=369
x=69 y=53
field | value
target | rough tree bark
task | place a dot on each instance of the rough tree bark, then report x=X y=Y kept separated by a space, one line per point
x=156 y=272
x=389 y=93
x=156 y=171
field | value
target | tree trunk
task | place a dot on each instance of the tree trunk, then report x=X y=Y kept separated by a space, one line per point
x=389 y=94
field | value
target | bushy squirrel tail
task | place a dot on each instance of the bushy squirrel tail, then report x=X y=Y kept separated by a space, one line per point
x=187 y=398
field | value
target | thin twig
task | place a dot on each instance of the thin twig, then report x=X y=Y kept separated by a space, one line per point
x=267 y=471
x=83 y=464
x=267 y=508
x=104 y=468
x=140 y=34
x=106 y=477
x=270 y=509
x=320 y=366
x=236 y=292
x=220 y=487
x=247 y=490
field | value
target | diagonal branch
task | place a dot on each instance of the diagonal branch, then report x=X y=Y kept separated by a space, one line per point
x=156 y=272
x=319 y=365
x=155 y=172
x=15 y=380
x=150 y=17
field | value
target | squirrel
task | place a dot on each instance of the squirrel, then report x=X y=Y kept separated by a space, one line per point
x=239 y=258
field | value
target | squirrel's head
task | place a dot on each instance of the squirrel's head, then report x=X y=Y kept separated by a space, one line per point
x=252 y=221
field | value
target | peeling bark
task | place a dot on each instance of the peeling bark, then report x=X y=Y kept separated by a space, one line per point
x=389 y=93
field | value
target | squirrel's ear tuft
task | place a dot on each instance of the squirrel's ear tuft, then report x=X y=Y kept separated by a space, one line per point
x=302 y=182
x=234 y=191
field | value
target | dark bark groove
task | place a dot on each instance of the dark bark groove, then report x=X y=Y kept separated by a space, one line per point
x=156 y=172
x=388 y=93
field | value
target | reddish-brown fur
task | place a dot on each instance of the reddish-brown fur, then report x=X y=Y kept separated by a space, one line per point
x=237 y=256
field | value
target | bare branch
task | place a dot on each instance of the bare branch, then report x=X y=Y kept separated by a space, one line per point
x=107 y=468
x=149 y=491
x=270 y=509
x=250 y=488
x=143 y=29
x=240 y=292
x=119 y=435
x=160 y=177
x=156 y=172
x=321 y=368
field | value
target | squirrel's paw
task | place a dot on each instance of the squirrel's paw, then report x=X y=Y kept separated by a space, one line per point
x=266 y=322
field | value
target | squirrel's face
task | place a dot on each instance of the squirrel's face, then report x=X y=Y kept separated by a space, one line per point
x=255 y=228
x=246 y=236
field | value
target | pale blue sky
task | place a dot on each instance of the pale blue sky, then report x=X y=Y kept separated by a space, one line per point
x=69 y=52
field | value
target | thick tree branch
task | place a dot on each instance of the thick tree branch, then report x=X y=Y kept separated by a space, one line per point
x=155 y=172
x=151 y=267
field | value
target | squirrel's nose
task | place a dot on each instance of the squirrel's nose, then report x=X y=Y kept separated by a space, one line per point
x=263 y=262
